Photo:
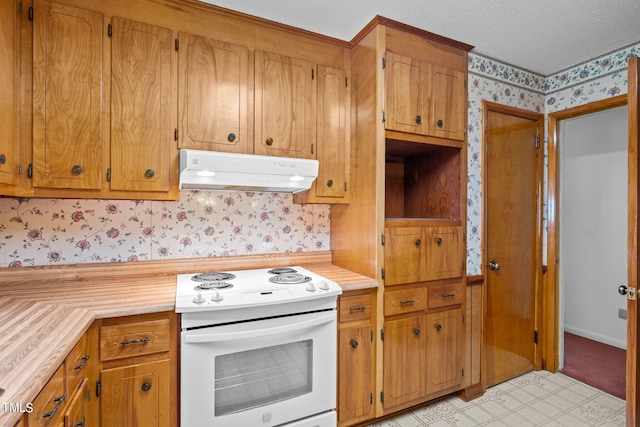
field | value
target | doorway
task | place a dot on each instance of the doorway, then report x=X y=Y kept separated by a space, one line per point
x=512 y=169
x=588 y=238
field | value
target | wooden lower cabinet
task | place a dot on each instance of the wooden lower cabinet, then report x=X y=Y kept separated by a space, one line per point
x=423 y=350
x=137 y=395
x=356 y=358
x=139 y=371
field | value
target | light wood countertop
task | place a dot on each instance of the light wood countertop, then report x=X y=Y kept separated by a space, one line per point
x=45 y=310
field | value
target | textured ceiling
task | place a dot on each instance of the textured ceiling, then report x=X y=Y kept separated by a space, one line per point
x=543 y=36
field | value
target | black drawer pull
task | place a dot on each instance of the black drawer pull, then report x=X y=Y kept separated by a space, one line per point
x=407 y=302
x=356 y=309
x=84 y=362
x=143 y=340
x=59 y=401
x=448 y=296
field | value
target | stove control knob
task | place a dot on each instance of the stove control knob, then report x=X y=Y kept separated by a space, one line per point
x=311 y=287
x=217 y=297
x=198 y=299
x=324 y=285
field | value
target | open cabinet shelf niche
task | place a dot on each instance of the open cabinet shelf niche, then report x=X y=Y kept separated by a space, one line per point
x=422 y=181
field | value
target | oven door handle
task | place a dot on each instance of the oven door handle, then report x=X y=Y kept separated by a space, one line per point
x=255 y=333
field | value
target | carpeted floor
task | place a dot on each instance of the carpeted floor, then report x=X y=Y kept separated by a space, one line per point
x=599 y=365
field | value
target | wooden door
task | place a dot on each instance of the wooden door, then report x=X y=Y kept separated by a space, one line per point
x=285 y=106
x=355 y=373
x=513 y=177
x=445 y=344
x=404 y=255
x=404 y=361
x=406 y=96
x=137 y=395
x=67 y=97
x=633 y=332
x=447 y=103
x=214 y=97
x=142 y=106
x=9 y=85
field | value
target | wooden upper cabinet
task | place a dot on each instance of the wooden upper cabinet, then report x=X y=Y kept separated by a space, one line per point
x=406 y=98
x=142 y=106
x=214 y=95
x=445 y=249
x=67 y=96
x=285 y=106
x=9 y=85
x=447 y=103
x=404 y=255
x=423 y=98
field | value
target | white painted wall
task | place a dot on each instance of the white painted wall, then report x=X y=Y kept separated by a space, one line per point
x=593 y=224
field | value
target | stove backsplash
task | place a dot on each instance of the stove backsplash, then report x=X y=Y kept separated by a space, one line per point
x=36 y=232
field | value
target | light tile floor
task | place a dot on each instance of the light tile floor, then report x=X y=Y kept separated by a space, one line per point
x=539 y=398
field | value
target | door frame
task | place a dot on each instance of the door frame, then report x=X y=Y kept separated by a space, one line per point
x=488 y=107
x=551 y=291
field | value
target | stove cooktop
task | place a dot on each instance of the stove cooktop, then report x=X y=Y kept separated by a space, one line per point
x=210 y=291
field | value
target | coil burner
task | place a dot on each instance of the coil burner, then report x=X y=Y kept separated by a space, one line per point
x=213 y=285
x=282 y=270
x=213 y=277
x=290 y=278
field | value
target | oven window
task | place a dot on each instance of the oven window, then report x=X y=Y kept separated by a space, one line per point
x=253 y=378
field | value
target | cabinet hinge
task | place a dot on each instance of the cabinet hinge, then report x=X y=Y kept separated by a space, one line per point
x=383 y=240
x=382 y=396
x=20 y=169
x=535 y=337
x=346 y=82
x=311 y=148
x=98 y=388
x=345 y=186
x=463 y=318
x=108 y=174
x=382 y=272
x=109 y=30
x=371 y=398
x=384 y=62
x=177 y=44
x=20 y=8
x=30 y=170
x=381 y=334
x=384 y=117
x=30 y=14
x=175 y=134
x=313 y=76
x=372 y=335
x=537 y=141
x=463 y=372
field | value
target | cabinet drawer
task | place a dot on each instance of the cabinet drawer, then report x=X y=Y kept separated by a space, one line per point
x=356 y=307
x=76 y=365
x=446 y=295
x=48 y=407
x=405 y=301
x=134 y=339
x=76 y=414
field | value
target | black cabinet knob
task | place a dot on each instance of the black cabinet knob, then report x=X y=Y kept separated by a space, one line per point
x=440 y=123
x=76 y=169
x=354 y=344
x=146 y=386
x=231 y=137
x=149 y=173
x=3 y=159
x=418 y=241
x=269 y=141
x=419 y=119
x=330 y=183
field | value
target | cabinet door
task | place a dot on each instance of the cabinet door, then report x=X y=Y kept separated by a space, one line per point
x=137 y=395
x=445 y=342
x=67 y=96
x=332 y=139
x=445 y=253
x=403 y=255
x=214 y=103
x=285 y=106
x=404 y=361
x=143 y=116
x=76 y=413
x=406 y=94
x=448 y=98
x=355 y=374
x=9 y=85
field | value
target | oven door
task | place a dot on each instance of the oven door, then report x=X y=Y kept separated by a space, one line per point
x=259 y=373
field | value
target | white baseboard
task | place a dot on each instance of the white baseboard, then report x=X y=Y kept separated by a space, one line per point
x=596 y=337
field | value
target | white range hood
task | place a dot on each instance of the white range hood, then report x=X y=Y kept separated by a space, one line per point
x=213 y=170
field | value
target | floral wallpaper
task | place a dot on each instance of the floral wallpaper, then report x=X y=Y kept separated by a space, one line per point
x=204 y=224
x=200 y=224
